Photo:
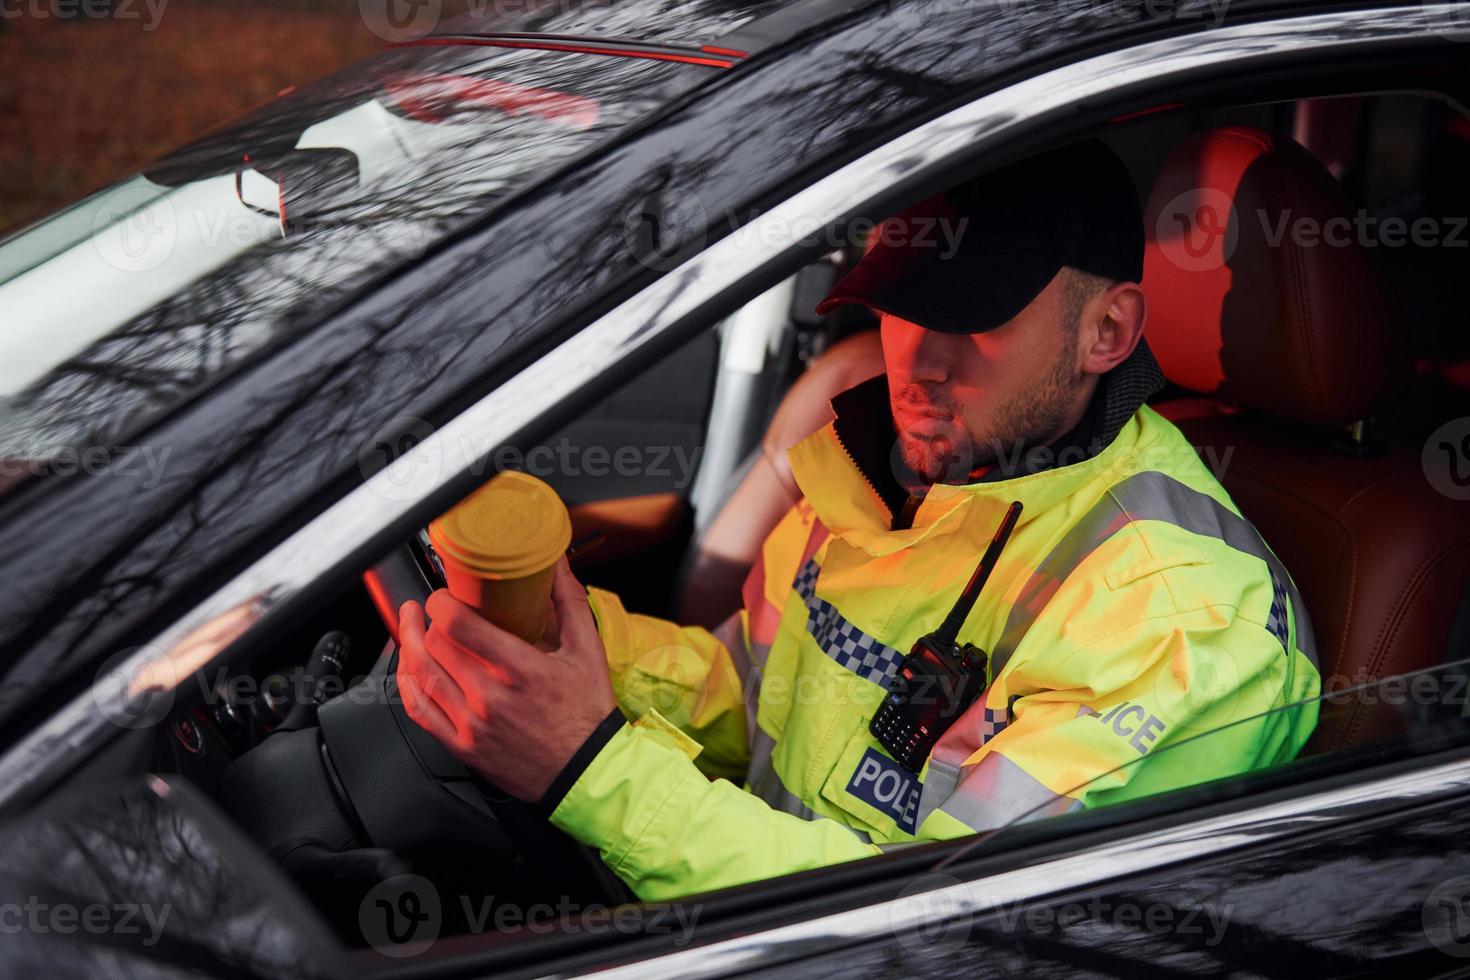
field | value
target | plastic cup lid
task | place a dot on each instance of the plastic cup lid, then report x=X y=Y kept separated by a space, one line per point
x=514 y=525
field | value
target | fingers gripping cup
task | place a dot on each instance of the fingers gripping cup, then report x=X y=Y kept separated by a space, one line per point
x=499 y=547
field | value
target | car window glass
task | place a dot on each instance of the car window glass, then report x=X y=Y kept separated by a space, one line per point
x=125 y=303
x=1414 y=712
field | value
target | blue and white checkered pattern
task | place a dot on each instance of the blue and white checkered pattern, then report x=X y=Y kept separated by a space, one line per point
x=806 y=581
x=992 y=723
x=839 y=639
x=1276 y=619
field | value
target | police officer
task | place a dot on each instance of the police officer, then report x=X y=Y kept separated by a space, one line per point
x=1132 y=609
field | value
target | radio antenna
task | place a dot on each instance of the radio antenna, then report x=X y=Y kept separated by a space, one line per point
x=949 y=630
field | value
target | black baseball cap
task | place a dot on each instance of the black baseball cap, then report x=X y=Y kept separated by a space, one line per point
x=970 y=259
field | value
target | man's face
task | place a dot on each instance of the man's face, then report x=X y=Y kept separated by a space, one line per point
x=963 y=402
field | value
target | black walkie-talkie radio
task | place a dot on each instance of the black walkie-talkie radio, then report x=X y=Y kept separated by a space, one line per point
x=939 y=678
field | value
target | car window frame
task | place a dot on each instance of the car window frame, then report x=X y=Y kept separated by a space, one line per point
x=654 y=320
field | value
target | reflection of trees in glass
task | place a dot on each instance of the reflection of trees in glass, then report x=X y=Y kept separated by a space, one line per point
x=437 y=174
x=134 y=847
x=1337 y=904
x=459 y=167
x=692 y=22
x=567 y=243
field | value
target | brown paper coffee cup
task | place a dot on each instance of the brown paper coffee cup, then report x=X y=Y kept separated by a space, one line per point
x=499 y=547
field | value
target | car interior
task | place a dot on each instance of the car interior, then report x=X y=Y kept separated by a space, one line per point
x=1313 y=378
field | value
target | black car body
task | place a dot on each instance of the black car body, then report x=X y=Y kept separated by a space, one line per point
x=306 y=443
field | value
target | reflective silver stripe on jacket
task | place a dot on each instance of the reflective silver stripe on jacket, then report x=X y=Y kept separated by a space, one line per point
x=978 y=725
x=763 y=781
x=997 y=792
x=1150 y=496
x=749 y=664
x=946 y=770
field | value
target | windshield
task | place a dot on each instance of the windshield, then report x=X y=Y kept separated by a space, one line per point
x=130 y=300
x=1410 y=713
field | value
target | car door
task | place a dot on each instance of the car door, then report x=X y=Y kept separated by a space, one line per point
x=1324 y=863
x=629 y=336
x=1342 y=864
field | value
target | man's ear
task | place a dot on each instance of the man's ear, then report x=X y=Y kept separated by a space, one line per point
x=1112 y=325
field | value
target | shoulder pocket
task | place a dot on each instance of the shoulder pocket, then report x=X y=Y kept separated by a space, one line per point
x=1125 y=576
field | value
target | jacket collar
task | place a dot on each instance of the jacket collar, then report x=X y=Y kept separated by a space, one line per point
x=853 y=476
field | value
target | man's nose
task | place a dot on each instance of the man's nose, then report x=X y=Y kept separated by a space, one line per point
x=930 y=356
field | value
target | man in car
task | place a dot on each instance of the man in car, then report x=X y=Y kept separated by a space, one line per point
x=1132 y=609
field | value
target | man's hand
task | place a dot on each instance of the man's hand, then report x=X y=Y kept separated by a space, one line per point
x=513 y=712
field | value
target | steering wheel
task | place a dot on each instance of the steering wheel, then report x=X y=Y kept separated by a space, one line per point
x=368 y=792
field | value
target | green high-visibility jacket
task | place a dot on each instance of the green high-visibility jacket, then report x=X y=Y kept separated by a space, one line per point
x=1132 y=609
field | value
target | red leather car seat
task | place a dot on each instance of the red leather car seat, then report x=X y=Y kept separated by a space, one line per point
x=1288 y=341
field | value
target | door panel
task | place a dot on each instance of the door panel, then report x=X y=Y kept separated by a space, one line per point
x=1391 y=895
x=645 y=438
x=626 y=468
x=147 y=878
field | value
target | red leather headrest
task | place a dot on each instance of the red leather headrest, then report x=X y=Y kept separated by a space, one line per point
x=1260 y=286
